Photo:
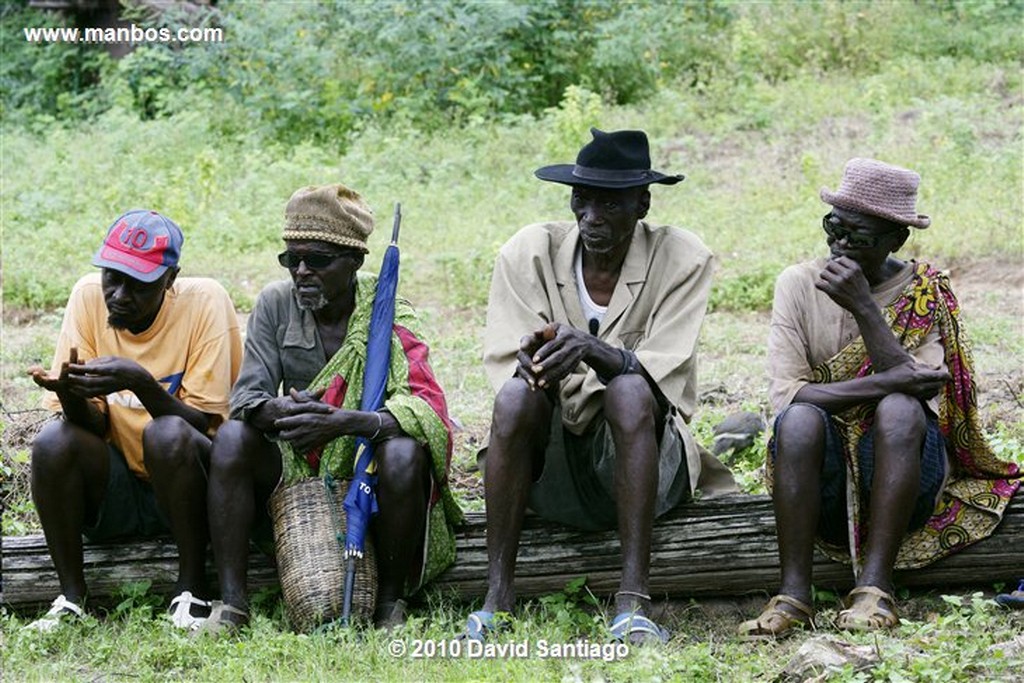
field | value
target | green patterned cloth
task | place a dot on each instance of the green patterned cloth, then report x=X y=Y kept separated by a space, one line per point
x=412 y=396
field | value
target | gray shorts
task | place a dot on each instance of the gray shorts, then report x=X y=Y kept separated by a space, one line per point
x=576 y=486
x=129 y=508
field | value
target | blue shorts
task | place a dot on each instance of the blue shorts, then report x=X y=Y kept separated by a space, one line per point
x=833 y=526
x=129 y=508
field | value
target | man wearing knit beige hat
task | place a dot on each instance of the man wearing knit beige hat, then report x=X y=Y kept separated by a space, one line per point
x=295 y=410
x=877 y=453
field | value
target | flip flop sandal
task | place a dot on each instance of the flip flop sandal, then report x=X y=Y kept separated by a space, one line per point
x=216 y=625
x=480 y=626
x=868 y=615
x=181 y=612
x=775 y=622
x=61 y=611
x=1014 y=600
x=629 y=624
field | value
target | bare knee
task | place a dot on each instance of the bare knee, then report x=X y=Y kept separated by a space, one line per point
x=517 y=409
x=235 y=447
x=800 y=432
x=900 y=418
x=629 y=404
x=170 y=440
x=56 y=446
x=402 y=465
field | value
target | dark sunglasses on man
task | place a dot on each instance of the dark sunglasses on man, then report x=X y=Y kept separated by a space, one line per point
x=833 y=227
x=314 y=261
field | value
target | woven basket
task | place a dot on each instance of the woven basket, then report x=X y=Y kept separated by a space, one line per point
x=307 y=516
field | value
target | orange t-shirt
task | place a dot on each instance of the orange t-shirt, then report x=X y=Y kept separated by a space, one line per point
x=193 y=348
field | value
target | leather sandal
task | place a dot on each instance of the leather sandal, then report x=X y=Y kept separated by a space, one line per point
x=868 y=614
x=775 y=622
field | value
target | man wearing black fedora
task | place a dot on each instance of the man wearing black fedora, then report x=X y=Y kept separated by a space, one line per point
x=590 y=344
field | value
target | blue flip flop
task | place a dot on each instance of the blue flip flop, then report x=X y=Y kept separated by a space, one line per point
x=628 y=624
x=1014 y=600
x=479 y=626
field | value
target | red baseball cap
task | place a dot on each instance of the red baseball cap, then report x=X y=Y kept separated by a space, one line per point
x=142 y=244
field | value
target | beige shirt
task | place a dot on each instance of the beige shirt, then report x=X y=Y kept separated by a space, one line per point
x=656 y=311
x=808 y=328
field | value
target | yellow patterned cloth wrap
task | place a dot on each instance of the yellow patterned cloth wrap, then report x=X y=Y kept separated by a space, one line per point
x=412 y=396
x=979 y=485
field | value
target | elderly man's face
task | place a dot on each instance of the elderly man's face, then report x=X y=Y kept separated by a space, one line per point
x=321 y=272
x=607 y=218
x=863 y=238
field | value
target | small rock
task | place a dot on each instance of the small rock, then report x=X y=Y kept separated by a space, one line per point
x=1010 y=649
x=823 y=654
x=736 y=432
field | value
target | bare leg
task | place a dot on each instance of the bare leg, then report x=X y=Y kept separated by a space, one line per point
x=176 y=455
x=799 y=456
x=519 y=431
x=244 y=469
x=70 y=468
x=403 y=486
x=898 y=437
x=629 y=408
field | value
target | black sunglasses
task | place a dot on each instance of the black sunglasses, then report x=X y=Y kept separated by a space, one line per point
x=833 y=227
x=314 y=261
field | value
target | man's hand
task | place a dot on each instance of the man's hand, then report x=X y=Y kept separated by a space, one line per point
x=59 y=384
x=844 y=282
x=306 y=423
x=97 y=377
x=915 y=380
x=548 y=355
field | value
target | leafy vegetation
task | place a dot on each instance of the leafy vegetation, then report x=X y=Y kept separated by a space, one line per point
x=448 y=107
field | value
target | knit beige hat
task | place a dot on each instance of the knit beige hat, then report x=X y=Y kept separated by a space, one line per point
x=331 y=213
x=878 y=189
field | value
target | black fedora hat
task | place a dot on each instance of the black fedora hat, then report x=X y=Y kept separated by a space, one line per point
x=615 y=160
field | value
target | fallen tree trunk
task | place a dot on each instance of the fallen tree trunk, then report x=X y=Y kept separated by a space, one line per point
x=716 y=547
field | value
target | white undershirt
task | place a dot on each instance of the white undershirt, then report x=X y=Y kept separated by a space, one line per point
x=591 y=311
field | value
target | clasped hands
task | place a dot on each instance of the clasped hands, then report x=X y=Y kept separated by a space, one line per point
x=304 y=421
x=547 y=356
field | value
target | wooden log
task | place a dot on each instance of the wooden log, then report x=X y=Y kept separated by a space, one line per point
x=718 y=547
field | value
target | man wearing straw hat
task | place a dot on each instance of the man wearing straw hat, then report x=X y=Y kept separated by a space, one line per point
x=877 y=450
x=591 y=346
x=295 y=410
x=141 y=375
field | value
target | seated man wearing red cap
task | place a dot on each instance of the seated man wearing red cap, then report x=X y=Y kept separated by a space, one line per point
x=296 y=411
x=590 y=344
x=877 y=451
x=142 y=375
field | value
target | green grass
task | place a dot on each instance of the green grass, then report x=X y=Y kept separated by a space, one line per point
x=945 y=639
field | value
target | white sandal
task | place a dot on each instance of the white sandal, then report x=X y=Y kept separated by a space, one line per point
x=181 y=611
x=60 y=611
x=217 y=625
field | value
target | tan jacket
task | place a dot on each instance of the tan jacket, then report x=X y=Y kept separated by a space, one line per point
x=655 y=311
